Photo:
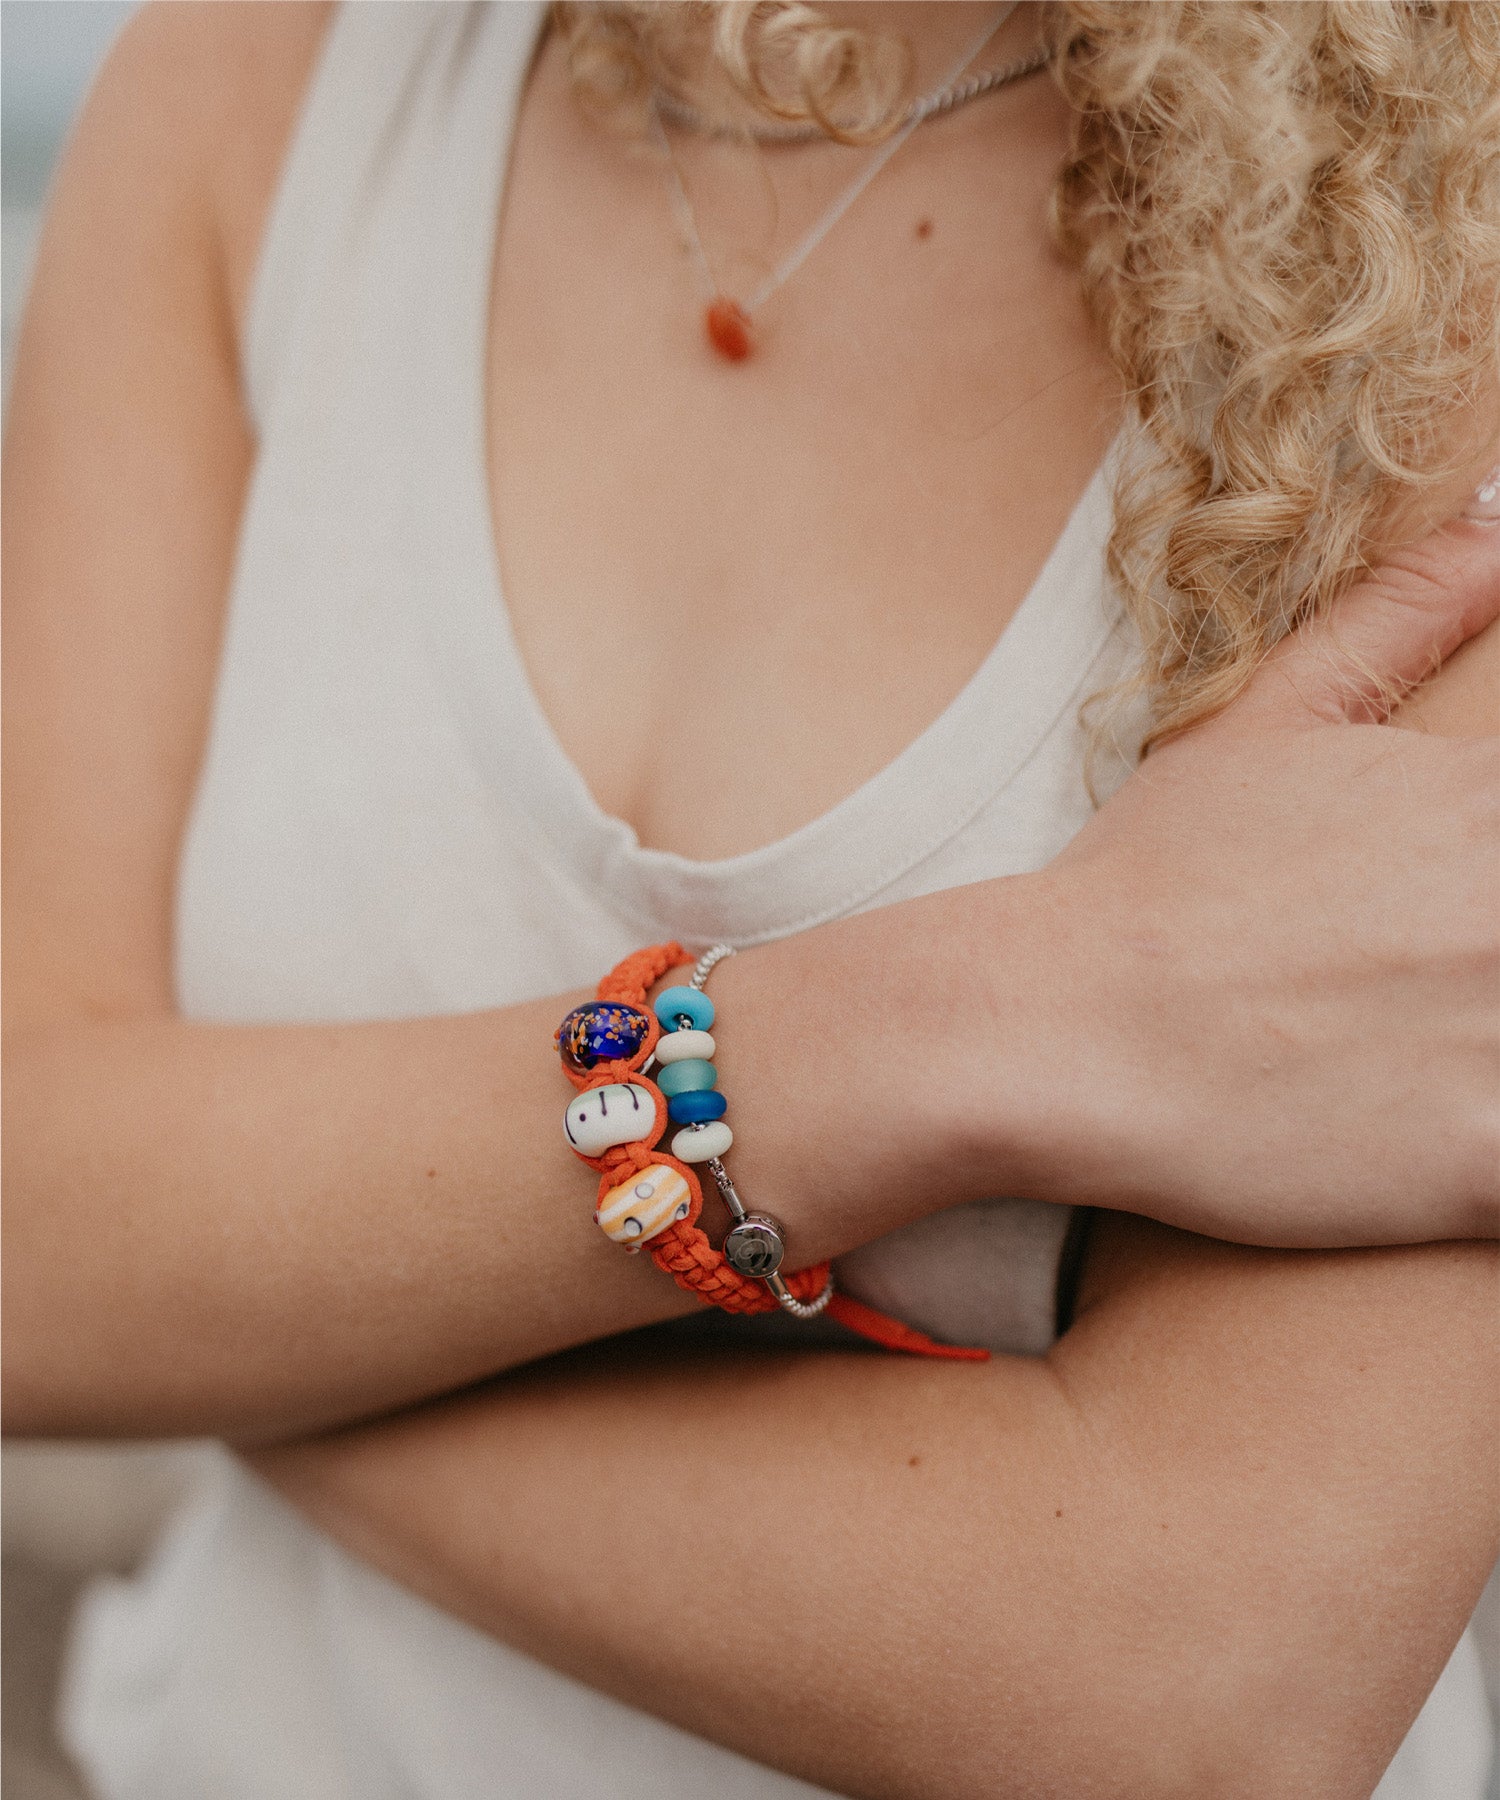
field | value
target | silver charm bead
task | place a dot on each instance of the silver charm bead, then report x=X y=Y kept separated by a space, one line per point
x=755 y=1246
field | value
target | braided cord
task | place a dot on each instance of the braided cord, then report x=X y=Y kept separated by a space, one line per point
x=683 y=1250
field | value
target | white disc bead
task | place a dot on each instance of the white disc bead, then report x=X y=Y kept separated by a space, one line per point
x=697 y=1143
x=678 y=1046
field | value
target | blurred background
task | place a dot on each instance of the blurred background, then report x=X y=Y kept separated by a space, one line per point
x=49 y=50
x=71 y=1512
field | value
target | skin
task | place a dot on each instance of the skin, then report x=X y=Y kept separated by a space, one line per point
x=1103 y=1573
x=142 y=1147
x=865 y=507
x=1237 y=1466
x=491 y=1505
x=127 y=456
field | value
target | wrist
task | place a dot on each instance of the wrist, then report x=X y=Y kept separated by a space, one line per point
x=1090 y=1081
x=1033 y=1099
x=832 y=1099
x=901 y=1061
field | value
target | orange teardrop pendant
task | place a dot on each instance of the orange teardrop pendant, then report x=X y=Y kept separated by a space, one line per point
x=728 y=327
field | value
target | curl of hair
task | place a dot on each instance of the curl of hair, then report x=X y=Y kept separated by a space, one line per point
x=1286 y=218
x=782 y=57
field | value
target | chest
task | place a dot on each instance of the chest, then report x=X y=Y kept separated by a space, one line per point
x=793 y=564
x=395 y=814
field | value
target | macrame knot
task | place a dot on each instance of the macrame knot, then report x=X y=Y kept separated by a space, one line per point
x=682 y=1249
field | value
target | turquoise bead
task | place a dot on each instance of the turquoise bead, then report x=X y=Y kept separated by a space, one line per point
x=696 y=1107
x=673 y=1002
x=686 y=1077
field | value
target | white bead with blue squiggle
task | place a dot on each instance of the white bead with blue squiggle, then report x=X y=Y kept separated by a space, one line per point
x=599 y=1118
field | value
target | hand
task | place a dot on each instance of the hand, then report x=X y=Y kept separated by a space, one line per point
x=1287 y=924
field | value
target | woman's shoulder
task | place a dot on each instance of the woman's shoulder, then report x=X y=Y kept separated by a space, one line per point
x=200 y=104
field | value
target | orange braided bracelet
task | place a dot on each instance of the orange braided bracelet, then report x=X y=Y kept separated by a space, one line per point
x=649 y=1199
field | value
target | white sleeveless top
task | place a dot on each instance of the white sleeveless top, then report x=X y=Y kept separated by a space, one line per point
x=387 y=826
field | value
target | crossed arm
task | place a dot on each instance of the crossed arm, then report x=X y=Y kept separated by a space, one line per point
x=1107 y=1573
x=1220 y=1541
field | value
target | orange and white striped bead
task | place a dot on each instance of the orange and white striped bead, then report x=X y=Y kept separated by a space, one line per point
x=645 y=1205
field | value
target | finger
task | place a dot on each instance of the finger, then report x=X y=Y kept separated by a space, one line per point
x=1387 y=634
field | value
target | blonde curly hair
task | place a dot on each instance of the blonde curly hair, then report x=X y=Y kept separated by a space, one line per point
x=1286 y=219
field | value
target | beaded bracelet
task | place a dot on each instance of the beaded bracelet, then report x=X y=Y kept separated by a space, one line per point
x=651 y=1200
x=756 y=1243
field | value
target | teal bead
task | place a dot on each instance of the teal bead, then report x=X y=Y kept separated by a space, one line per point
x=696 y=1107
x=673 y=1002
x=687 y=1076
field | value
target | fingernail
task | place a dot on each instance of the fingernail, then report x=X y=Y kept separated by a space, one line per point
x=1484 y=503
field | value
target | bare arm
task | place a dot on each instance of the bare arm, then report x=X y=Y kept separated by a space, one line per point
x=1221 y=1541
x=265 y=1230
x=256 y=1230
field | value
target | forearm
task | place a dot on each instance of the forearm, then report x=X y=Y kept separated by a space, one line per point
x=234 y=1229
x=261 y=1231
x=1106 y=1573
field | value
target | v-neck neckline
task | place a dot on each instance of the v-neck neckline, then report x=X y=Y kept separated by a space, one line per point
x=1032 y=675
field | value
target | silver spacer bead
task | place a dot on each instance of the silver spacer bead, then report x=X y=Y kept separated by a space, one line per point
x=726 y=1188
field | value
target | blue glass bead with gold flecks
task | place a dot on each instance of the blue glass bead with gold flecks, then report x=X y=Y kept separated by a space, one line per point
x=601 y=1031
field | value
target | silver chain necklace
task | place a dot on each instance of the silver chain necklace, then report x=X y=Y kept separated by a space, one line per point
x=676 y=111
x=726 y=320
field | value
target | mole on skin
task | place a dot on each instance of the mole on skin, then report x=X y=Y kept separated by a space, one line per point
x=924 y=228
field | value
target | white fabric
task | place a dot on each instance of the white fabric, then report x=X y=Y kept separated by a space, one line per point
x=1452 y=1746
x=387 y=826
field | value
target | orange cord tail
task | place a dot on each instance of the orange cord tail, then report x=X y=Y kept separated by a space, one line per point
x=894 y=1335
